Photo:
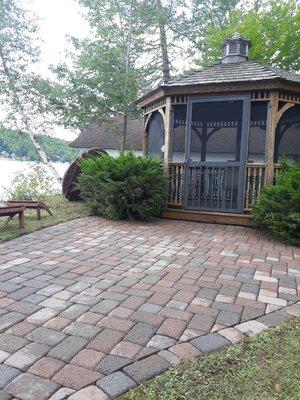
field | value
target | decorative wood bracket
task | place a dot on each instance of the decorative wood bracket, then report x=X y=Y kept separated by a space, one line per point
x=283 y=109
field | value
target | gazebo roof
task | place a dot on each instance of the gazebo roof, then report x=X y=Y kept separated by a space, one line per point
x=234 y=72
x=231 y=74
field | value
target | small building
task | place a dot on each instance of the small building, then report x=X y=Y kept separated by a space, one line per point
x=106 y=135
x=221 y=132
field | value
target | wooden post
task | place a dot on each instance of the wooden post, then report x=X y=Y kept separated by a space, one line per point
x=145 y=134
x=21 y=220
x=270 y=139
x=145 y=144
x=168 y=133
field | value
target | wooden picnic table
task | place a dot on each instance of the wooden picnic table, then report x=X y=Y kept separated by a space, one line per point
x=11 y=211
x=31 y=204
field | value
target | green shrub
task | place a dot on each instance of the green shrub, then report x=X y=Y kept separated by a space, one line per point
x=35 y=184
x=278 y=208
x=124 y=187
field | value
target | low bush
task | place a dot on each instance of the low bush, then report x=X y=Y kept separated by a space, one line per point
x=278 y=208
x=126 y=187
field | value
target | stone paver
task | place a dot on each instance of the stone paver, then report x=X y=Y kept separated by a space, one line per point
x=88 y=358
x=46 y=367
x=82 y=330
x=7 y=374
x=210 y=343
x=89 y=393
x=146 y=369
x=232 y=334
x=27 y=356
x=251 y=327
x=46 y=336
x=185 y=351
x=76 y=377
x=62 y=394
x=31 y=387
x=112 y=363
x=11 y=343
x=116 y=384
x=68 y=348
x=119 y=302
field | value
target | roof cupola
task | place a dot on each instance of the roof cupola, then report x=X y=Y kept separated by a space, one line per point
x=235 y=49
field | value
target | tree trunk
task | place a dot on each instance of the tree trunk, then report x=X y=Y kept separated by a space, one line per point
x=126 y=80
x=43 y=155
x=124 y=133
x=163 y=44
x=25 y=120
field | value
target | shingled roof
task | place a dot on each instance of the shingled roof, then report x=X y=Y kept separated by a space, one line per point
x=246 y=71
x=107 y=135
x=234 y=73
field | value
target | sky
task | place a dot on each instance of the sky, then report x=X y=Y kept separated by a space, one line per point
x=58 y=18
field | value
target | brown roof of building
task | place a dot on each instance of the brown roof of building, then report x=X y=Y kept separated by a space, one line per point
x=247 y=71
x=107 y=135
x=232 y=73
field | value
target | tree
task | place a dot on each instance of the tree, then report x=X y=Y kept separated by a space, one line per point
x=19 y=94
x=199 y=15
x=105 y=79
x=272 y=27
x=164 y=23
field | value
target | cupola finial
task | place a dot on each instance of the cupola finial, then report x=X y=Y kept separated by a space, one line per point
x=235 y=49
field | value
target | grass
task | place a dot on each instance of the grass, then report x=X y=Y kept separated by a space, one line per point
x=61 y=209
x=263 y=368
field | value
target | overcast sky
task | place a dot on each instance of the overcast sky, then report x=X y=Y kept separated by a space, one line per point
x=58 y=18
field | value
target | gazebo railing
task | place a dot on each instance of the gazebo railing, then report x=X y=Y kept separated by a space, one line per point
x=255 y=181
x=176 y=173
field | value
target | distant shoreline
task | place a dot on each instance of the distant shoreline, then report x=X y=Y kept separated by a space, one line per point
x=33 y=161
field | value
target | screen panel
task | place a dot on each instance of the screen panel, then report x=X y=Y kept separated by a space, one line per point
x=216 y=129
x=156 y=135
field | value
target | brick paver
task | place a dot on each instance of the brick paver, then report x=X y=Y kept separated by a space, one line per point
x=91 y=307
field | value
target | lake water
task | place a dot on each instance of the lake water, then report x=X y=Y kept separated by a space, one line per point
x=9 y=168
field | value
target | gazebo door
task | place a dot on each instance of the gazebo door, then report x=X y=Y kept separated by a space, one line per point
x=216 y=148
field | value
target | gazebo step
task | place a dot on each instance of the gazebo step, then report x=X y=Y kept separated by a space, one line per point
x=207 y=216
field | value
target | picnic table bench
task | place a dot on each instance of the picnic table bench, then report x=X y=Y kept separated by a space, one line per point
x=11 y=211
x=30 y=204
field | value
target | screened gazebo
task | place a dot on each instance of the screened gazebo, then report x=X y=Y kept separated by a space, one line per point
x=221 y=132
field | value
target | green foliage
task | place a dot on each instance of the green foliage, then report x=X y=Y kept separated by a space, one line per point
x=273 y=28
x=18 y=144
x=124 y=187
x=278 y=208
x=19 y=45
x=123 y=57
x=104 y=80
x=205 y=14
x=34 y=185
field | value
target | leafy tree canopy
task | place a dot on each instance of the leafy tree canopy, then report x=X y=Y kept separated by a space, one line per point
x=104 y=79
x=273 y=28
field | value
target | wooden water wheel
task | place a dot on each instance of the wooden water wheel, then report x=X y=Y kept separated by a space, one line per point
x=69 y=188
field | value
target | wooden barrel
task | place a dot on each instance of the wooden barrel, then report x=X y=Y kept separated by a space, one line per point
x=69 y=189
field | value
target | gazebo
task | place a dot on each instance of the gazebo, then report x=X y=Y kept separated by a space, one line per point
x=221 y=132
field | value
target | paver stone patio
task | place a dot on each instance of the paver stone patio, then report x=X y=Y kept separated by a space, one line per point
x=91 y=308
